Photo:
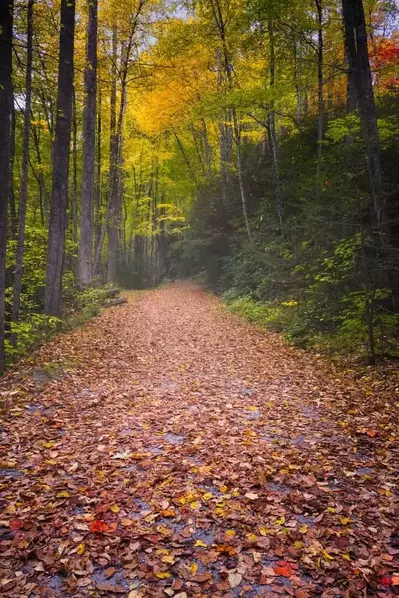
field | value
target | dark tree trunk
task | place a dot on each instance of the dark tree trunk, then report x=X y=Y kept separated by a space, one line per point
x=61 y=149
x=40 y=177
x=74 y=194
x=25 y=171
x=113 y=170
x=6 y=101
x=13 y=211
x=359 y=67
x=320 y=96
x=98 y=180
x=89 y=149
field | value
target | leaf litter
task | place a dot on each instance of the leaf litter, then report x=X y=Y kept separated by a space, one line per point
x=185 y=453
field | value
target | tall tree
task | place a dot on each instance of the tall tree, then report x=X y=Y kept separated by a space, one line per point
x=61 y=150
x=271 y=129
x=6 y=101
x=359 y=69
x=320 y=83
x=89 y=148
x=112 y=208
x=23 y=195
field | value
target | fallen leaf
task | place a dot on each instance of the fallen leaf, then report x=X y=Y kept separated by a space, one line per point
x=234 y=579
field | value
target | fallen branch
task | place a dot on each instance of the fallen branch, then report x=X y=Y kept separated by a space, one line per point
x=115 y=302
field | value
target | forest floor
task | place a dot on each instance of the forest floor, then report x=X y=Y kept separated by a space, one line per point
x=167 y=448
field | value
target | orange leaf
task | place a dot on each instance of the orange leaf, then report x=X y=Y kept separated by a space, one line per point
x=98 y=526
x=284 y=569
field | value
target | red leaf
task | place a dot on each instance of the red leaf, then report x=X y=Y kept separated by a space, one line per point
x=16 y=524
x=98 y=526
x=386 y=580
x=284 y=569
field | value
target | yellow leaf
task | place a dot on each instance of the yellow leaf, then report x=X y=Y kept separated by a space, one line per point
x=298 y=544
x=81 y=549
x=126 y=522
x=327 y=556
x=200 y=543
x=223 y=488
x=195 y=505
x=230 y=533
x=114 y=508
x=280 y=521
x=162 y=574
x=346 y=557
x=169 y=558
x=207 y=496
x=344 y=520
x=163 y=530
x=252 y=537
x=303 y=529
x=252 y=408
x=264 y=530
x=182 y=500
x=49 y=444
x=63 y=494
x=331 y=509
x=194 y=568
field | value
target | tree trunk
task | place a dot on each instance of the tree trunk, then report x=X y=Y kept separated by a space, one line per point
x=359 y=67
x=40 y=176
x=208 y=149
x=25 y=171
x=89 y=149
x=320 y=97
x=272 y=127
x=298 y=81
x=59 y=192
x=237 y=138
x=98 y=223
x=13 y=212
x=6 y=101
x=113 y=156
x=74 y=198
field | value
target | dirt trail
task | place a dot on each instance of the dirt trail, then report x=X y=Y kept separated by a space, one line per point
x=168 y=449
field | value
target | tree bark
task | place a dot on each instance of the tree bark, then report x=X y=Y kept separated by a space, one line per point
x=359 y=66
x=98 y=179
x=6 y=102
x=240 y=173
x=113 y=172
x=74 y=195
x=25 y=171
x=61 y=149
x=272 y=127
x=320 y=96
x=89 y=149
x=40 y=177
x=13 y=212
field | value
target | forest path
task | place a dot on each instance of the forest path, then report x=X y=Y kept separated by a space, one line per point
x=177 y=451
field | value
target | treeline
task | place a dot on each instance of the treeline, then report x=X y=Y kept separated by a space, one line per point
x=253 y=141
x=64 y=216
